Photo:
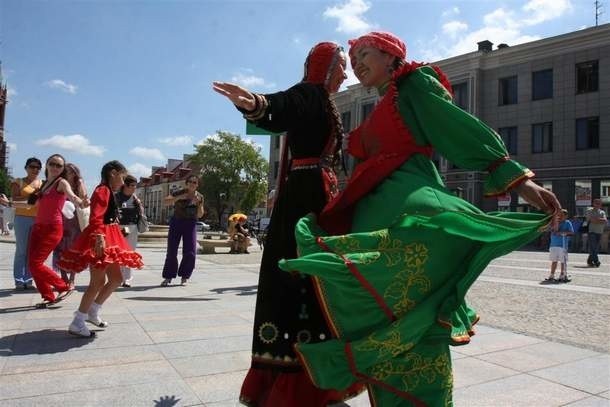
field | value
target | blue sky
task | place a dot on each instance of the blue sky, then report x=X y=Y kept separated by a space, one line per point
x=131 y=80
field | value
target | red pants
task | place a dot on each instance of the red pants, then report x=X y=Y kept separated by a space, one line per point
x=43 y=240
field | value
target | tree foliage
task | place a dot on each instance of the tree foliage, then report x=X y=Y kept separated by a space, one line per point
x=233 y=173
x=5 y=183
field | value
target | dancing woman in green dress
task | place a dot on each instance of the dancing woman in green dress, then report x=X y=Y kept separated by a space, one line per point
x=393 y=256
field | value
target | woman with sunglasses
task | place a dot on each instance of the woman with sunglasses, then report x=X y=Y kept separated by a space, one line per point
x=188 y=207
x=48 y=228
x=21 y=189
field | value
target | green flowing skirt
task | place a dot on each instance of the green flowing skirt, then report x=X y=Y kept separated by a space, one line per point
x=393 y=290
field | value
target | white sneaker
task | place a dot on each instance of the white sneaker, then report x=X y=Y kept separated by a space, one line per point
x=96 y=320
x=78 y=328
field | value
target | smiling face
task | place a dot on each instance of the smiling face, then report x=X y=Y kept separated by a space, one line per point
x=54 y=167
x=33 y=170
x=371 y=66
x=338 y=75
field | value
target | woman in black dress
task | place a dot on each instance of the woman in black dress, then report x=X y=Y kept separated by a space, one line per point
x=287 y=310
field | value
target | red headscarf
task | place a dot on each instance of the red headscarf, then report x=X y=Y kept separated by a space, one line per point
x=320 y=62
x=384 y=41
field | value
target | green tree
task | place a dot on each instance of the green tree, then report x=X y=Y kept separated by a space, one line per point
x=5 y=183
x=233 y=173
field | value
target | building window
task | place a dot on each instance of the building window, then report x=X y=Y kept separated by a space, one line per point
x=542 y=137
x=346 y=120
x=366 y=110
x=587 y=133
x=509 y=137
x=542 y=84
x=587 y=77
x=460 y=94
x=507 y=91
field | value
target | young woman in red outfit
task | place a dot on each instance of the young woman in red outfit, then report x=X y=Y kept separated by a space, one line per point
x=48 y=228
x=102 y=247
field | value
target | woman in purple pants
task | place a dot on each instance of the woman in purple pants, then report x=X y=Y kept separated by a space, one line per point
x=188 y=207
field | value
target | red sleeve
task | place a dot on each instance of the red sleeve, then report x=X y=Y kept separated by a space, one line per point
x=99 y=204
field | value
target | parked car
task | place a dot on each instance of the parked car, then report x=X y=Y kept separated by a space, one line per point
x=201 y=226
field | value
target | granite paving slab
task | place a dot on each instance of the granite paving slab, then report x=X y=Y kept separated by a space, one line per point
x=591 y=374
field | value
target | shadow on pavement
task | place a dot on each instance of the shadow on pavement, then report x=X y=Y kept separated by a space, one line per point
x=7 y=292
x=42 y=342
x=245 y=290
x=166 y=401
x=177 y=299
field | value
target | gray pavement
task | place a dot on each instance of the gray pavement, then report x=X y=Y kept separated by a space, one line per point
x=189 y=346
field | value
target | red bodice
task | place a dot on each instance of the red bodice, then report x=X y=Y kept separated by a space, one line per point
x=384 y=142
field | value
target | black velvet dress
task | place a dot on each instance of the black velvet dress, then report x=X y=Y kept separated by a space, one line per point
x=287 y=310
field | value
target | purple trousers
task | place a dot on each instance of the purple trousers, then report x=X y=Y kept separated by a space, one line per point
x=184 y=229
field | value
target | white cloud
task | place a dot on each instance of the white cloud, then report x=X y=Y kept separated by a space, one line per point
x=454 y=11
x=11 y=92
x=177 y=141
x=214 y=136
x=145 y=152
x=254 y=144
x=453 y=28
x=76 y=143
x=502 y=25
x=350 y=16
x=62 y=86
x=544 y=10
x=246 y=79
x=12 y=147
x=139 y=170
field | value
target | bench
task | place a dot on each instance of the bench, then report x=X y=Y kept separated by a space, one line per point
x=208 y=246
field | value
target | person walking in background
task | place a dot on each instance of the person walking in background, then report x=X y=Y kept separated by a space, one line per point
x=48 y=227
x=597 y=220
x=379 y=251
x=558 y=248
x=101 y=247
x=131 y=210
x=21 y=189
x=188 y=207
x=287 y=310
x=71 y=227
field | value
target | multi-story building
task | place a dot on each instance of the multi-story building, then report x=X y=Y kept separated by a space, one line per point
x=153 y=189
x=549 y=100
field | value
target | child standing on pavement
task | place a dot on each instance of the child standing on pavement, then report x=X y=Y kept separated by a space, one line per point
x=558 y=250
x=102 y=247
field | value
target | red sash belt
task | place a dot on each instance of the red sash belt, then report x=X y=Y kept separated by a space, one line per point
x=331 y=186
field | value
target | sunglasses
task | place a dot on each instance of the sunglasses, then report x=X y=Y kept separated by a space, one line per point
x=34 y=167
x=54 y=164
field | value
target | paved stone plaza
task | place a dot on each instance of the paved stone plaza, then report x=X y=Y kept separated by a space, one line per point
x=536 y=345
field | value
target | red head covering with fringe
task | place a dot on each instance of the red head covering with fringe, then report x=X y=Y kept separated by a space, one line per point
x=320 y=62
x=384 y=41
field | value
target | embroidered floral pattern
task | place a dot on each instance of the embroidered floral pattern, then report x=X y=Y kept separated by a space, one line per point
x=415 y=370
x=391 y=346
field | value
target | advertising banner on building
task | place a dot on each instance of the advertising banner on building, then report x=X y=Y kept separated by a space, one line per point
x=583 y=194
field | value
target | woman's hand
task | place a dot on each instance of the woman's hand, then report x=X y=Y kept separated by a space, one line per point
x=539 y=197
x=240 y=97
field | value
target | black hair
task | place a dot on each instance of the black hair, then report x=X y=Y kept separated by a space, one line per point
x=32 y=160
x=108 y=167
x=130 y=179
x=193 y=176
